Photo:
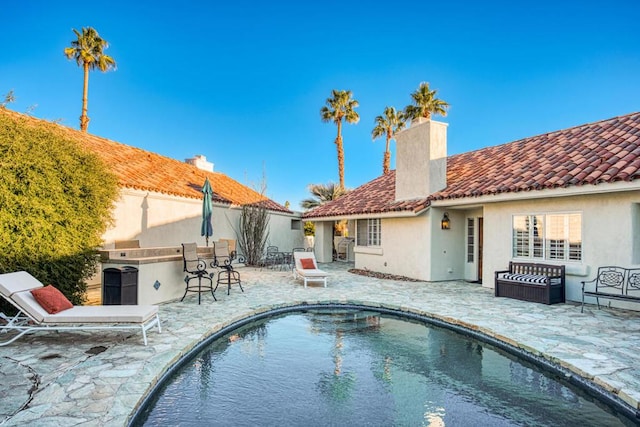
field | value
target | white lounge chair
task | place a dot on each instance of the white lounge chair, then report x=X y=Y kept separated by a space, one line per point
x=16 y=288
x=308 y=274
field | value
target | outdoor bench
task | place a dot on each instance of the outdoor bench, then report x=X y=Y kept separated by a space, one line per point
x=614 y=283
x=542 y=283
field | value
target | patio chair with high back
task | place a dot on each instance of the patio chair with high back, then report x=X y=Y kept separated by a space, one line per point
x=196 y=268
x=223 y=258
x=45 y=308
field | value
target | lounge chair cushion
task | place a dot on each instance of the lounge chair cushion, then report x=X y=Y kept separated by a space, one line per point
x=16 y=282
x=86 y=314
x=51 y=299
x=533 y=279
x=307 y=264
x=313 y=273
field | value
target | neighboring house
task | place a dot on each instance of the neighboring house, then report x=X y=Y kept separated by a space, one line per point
x=160 y=200
x=569 y=197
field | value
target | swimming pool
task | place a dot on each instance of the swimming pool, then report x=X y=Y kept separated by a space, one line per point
x=360 y=367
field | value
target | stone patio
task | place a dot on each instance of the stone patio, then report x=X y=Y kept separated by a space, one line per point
x=99 y=379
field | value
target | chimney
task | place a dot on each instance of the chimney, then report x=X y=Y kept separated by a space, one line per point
x=421 y=159
x=200 y=162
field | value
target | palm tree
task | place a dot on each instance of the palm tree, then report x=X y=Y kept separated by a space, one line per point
x=8 y=99
x=340 y=106
x=88 y=51
x=387 y=125
x=322 y=193
x=425 y=104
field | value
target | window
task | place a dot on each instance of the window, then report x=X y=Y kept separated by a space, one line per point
x=368 y=232
x=470 y=239
x=548 y=237
x=296 y=224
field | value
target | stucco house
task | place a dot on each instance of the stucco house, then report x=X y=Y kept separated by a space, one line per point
x=568 y=197
x=160 y=201
x=160 y=206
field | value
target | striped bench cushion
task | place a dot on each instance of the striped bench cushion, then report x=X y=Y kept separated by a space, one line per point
x=528 y=278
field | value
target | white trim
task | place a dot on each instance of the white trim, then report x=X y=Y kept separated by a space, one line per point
x=195 y=201
x=576 y=190
x=545 y=250
x=382 y=215
x=371 y=250
x=472 y=202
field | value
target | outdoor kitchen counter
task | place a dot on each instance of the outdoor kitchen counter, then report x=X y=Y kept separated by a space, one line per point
x=160 y=270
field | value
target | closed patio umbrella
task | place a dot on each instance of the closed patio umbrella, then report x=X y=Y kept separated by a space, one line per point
x=207 y=211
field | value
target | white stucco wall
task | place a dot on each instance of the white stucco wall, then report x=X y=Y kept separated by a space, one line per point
x=168 y=274
x=404 y=249
x=159 y=220
x=607 y=234
x=417 y=247
x=448 y=249
x=323 y=238
x=281 y=233
x=421 y=159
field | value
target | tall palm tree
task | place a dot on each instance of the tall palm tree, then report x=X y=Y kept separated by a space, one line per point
x=425 y=104
x=88 y=51
x=322 y=193
x=391 y=122
x=340 y=106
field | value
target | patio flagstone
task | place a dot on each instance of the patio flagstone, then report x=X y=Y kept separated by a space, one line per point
x=60 y=379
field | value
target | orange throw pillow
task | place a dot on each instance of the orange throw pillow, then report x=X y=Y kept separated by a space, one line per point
x=51 y=299
x=307 y=264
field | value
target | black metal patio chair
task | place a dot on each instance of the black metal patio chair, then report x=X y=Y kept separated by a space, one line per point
x=196 y=268
x=222 y=260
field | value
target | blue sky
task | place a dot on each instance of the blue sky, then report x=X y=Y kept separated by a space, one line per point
x=243 y=82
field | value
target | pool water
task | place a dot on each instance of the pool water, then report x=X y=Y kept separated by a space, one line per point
x=361 y=368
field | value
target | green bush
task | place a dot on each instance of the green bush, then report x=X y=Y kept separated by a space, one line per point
x=309 y=228
x=56 y=201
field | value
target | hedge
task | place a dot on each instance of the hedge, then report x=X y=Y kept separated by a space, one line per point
x=56 y=200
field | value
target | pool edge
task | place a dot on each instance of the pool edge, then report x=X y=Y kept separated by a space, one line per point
x=541 y=360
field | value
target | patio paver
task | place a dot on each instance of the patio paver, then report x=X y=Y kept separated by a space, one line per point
x=98 y=379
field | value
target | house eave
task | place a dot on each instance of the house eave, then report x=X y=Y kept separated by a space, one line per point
x=576 y=190
x=366 y=215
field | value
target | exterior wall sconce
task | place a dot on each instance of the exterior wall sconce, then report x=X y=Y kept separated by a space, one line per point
x=446 y=222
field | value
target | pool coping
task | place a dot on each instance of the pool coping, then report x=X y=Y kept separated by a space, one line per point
x=62 y=380
x=487 y=336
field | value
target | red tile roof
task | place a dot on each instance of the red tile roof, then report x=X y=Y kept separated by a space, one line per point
x=594 y=153
x=143 y=170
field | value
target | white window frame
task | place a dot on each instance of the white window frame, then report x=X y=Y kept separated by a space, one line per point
x=373 y=232
x=471 y=243
x=550 y=236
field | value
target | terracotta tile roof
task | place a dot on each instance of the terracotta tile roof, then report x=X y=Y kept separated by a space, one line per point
x=144 y=170
x=601 y=152
x=376 y=196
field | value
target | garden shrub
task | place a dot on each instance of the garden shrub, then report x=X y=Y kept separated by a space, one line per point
x=56 y=200
x=309 y=228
